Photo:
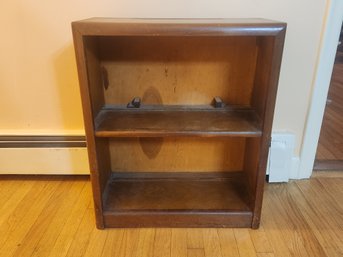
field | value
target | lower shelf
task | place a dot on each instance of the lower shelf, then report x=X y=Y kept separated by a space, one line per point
x=177 y=200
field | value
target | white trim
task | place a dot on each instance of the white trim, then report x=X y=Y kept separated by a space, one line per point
x=294 y=172
x=45 y=161
x=332 y=26
x=282 y=165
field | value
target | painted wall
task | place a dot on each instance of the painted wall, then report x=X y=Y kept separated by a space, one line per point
x=39 y=89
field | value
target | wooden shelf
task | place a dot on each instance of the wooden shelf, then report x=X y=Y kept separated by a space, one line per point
x=173 y=69
x=134 y=197
x=177 y=122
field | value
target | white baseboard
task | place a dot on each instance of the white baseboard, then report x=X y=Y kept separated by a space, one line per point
x=282 y=164
x=45 y=161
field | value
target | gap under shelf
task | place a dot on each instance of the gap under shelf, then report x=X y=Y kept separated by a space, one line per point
x=131 y=197
x=177 y=121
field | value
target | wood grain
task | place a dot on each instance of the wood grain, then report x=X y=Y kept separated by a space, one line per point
x=183 y=122
x=177 y=154
x=178 y=27
x=179 y=243
x=244 y=243
x=211 y=243
x=50 y=222
x=184 y=192
x=162 y=242
x=300 y=218
x=196 y=253
x=24 y=215
x=331 y=134
x=191 y=72
x=228 y=243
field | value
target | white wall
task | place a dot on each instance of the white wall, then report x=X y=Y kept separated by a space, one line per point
x=39 y=88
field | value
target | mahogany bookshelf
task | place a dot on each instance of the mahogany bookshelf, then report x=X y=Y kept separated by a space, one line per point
x=178 y=116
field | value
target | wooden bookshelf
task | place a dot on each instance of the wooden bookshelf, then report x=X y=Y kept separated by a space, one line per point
x=178 y=116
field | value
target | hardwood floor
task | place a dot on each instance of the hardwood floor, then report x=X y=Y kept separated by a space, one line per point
x=330 y=146
x=53 y=216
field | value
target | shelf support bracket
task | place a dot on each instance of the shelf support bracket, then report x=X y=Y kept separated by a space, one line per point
x=135 y=103
x=218 y=102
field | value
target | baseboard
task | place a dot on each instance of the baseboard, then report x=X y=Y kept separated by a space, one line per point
x=282 y=164
x=44 y=155
x=28 y=141
x=328 y=165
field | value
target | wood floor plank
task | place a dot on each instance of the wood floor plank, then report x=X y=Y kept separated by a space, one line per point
x=334 y=187
x=318 y=223
x=228 y=244
x=273 y=228
x=280 y=229
x=96 y=243
x=162 y=242
x=194 y=252
x=11 y=203
x=130 y=242
x=265 y=255
x=73 y=220
x=195 y=238
x=334 y=148
x=260 y=240
x=294 y=229
x=48 y=224
x=43 y=221
x=244 y=243
x=7 y=189
x=325 y=153
x=211 y=242
x=82 y=236
x=179 y=242
x=145 y=243
x=328 y=205
x=114 y=243
x=24 y=216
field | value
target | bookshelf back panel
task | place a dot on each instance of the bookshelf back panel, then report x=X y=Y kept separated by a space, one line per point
x=178 y=70
x=177 y=154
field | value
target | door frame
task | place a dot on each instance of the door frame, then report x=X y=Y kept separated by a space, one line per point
x=331 y=29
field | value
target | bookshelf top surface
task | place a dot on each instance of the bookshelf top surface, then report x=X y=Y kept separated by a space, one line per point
x=170 y=27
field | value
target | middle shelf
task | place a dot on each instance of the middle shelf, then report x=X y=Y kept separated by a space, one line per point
x=177 y=121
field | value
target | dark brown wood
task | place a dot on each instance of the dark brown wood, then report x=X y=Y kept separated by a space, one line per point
x=251 y=167
x=190 y=192
x=220 y=219
x=85 y=51
x=178 y=27
x=271 y=81
x=162 y=194
x=328 y=165
x=177 y=122
x=178 y=66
